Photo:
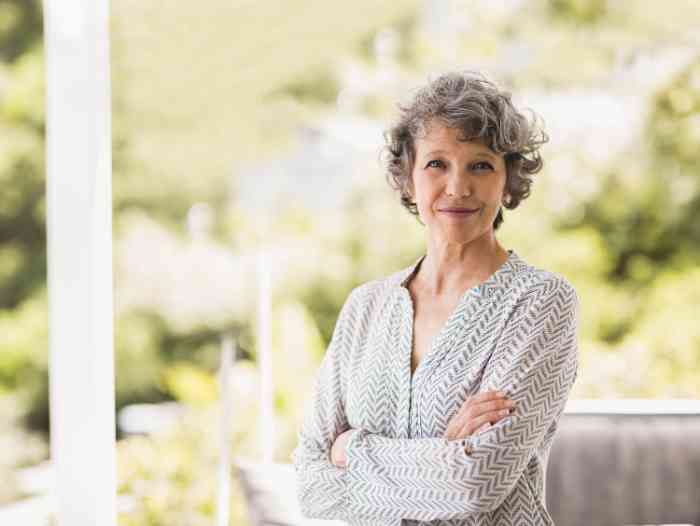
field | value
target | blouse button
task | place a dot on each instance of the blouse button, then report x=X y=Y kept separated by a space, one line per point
x=466 y=446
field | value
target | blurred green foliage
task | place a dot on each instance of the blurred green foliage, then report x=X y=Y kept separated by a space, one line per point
x=20 y=27
x=20 y=448
x=579 y=11
x=22 y=229
x=169 y=478
x=659 y=224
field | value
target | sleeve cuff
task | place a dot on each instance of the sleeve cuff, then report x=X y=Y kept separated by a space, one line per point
x=351 y=446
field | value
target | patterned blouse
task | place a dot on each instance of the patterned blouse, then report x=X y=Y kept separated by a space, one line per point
x=515 y=332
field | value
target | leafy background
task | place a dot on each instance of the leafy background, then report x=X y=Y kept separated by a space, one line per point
x=239 y=128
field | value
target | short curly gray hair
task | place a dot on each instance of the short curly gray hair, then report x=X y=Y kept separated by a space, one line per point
x=467 y=101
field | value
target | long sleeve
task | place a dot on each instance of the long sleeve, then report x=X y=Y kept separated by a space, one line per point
x=535 y=363
x=321 y=486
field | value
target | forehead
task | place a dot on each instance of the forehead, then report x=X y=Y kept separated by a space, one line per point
x=437 y=135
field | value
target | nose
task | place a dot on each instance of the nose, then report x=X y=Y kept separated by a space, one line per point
x=458 y=184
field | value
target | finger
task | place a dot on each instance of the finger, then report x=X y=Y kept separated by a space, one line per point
x=469 y=413
x=482 y=428
x=493 y=405
x=455 y=423
x=484 y=397
x=465 y=429
x=474 y=406
x=476 y=399
x=475 y=424
x=492 y=395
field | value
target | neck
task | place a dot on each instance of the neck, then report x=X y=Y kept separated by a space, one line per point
x=449 y=269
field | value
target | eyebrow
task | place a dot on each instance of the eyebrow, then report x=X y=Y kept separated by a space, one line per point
x=484 y=153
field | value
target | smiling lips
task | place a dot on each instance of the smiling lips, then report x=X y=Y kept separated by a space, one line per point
x=454 y=210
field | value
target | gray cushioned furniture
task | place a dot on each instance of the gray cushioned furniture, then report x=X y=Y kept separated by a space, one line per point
x=612 y=463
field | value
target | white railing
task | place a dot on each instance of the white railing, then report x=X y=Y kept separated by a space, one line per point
x=633 y=406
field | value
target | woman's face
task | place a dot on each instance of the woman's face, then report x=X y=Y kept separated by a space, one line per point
x=449 y=175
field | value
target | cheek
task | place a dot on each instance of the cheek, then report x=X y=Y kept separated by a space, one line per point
x=427 y=196
x=422 y=190
x=493 y=193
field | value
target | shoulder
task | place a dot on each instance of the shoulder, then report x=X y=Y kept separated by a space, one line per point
x=372 y=294
x=372 y=290
x=545 y=283
x=544 y=292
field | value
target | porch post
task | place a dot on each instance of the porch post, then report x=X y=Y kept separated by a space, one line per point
x=79 y=233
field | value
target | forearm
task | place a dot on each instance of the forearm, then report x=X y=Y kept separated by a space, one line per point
x=432 y=478
x=420 y=478
x=321 y=488
x=377 y=475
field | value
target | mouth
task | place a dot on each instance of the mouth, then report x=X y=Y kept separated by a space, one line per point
x=459 y=212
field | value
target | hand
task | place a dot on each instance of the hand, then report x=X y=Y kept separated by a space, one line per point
x=338 y=457
x=478 y=411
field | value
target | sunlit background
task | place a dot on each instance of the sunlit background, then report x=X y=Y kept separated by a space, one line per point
x=246 y=174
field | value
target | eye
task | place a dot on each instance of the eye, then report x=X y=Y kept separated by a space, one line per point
x=485 y=165
x=429 y=165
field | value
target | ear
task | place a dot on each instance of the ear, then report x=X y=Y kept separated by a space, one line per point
x=505 y=197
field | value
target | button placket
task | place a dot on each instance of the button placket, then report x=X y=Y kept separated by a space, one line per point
x=399 y=315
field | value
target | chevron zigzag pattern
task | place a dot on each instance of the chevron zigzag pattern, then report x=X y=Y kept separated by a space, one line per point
x=515 y=332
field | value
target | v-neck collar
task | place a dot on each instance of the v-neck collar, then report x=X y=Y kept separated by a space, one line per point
x=445 y=337
x=498 y=279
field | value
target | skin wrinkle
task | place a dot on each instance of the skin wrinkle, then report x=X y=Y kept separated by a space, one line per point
x=467 y=101
x=461 y=251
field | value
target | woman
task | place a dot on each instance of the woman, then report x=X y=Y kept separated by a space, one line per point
x=439 y=395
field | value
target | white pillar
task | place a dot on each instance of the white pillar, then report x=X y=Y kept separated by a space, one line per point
x=79 y=231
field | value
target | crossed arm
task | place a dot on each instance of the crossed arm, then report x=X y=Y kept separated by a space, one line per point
x=535 y=363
